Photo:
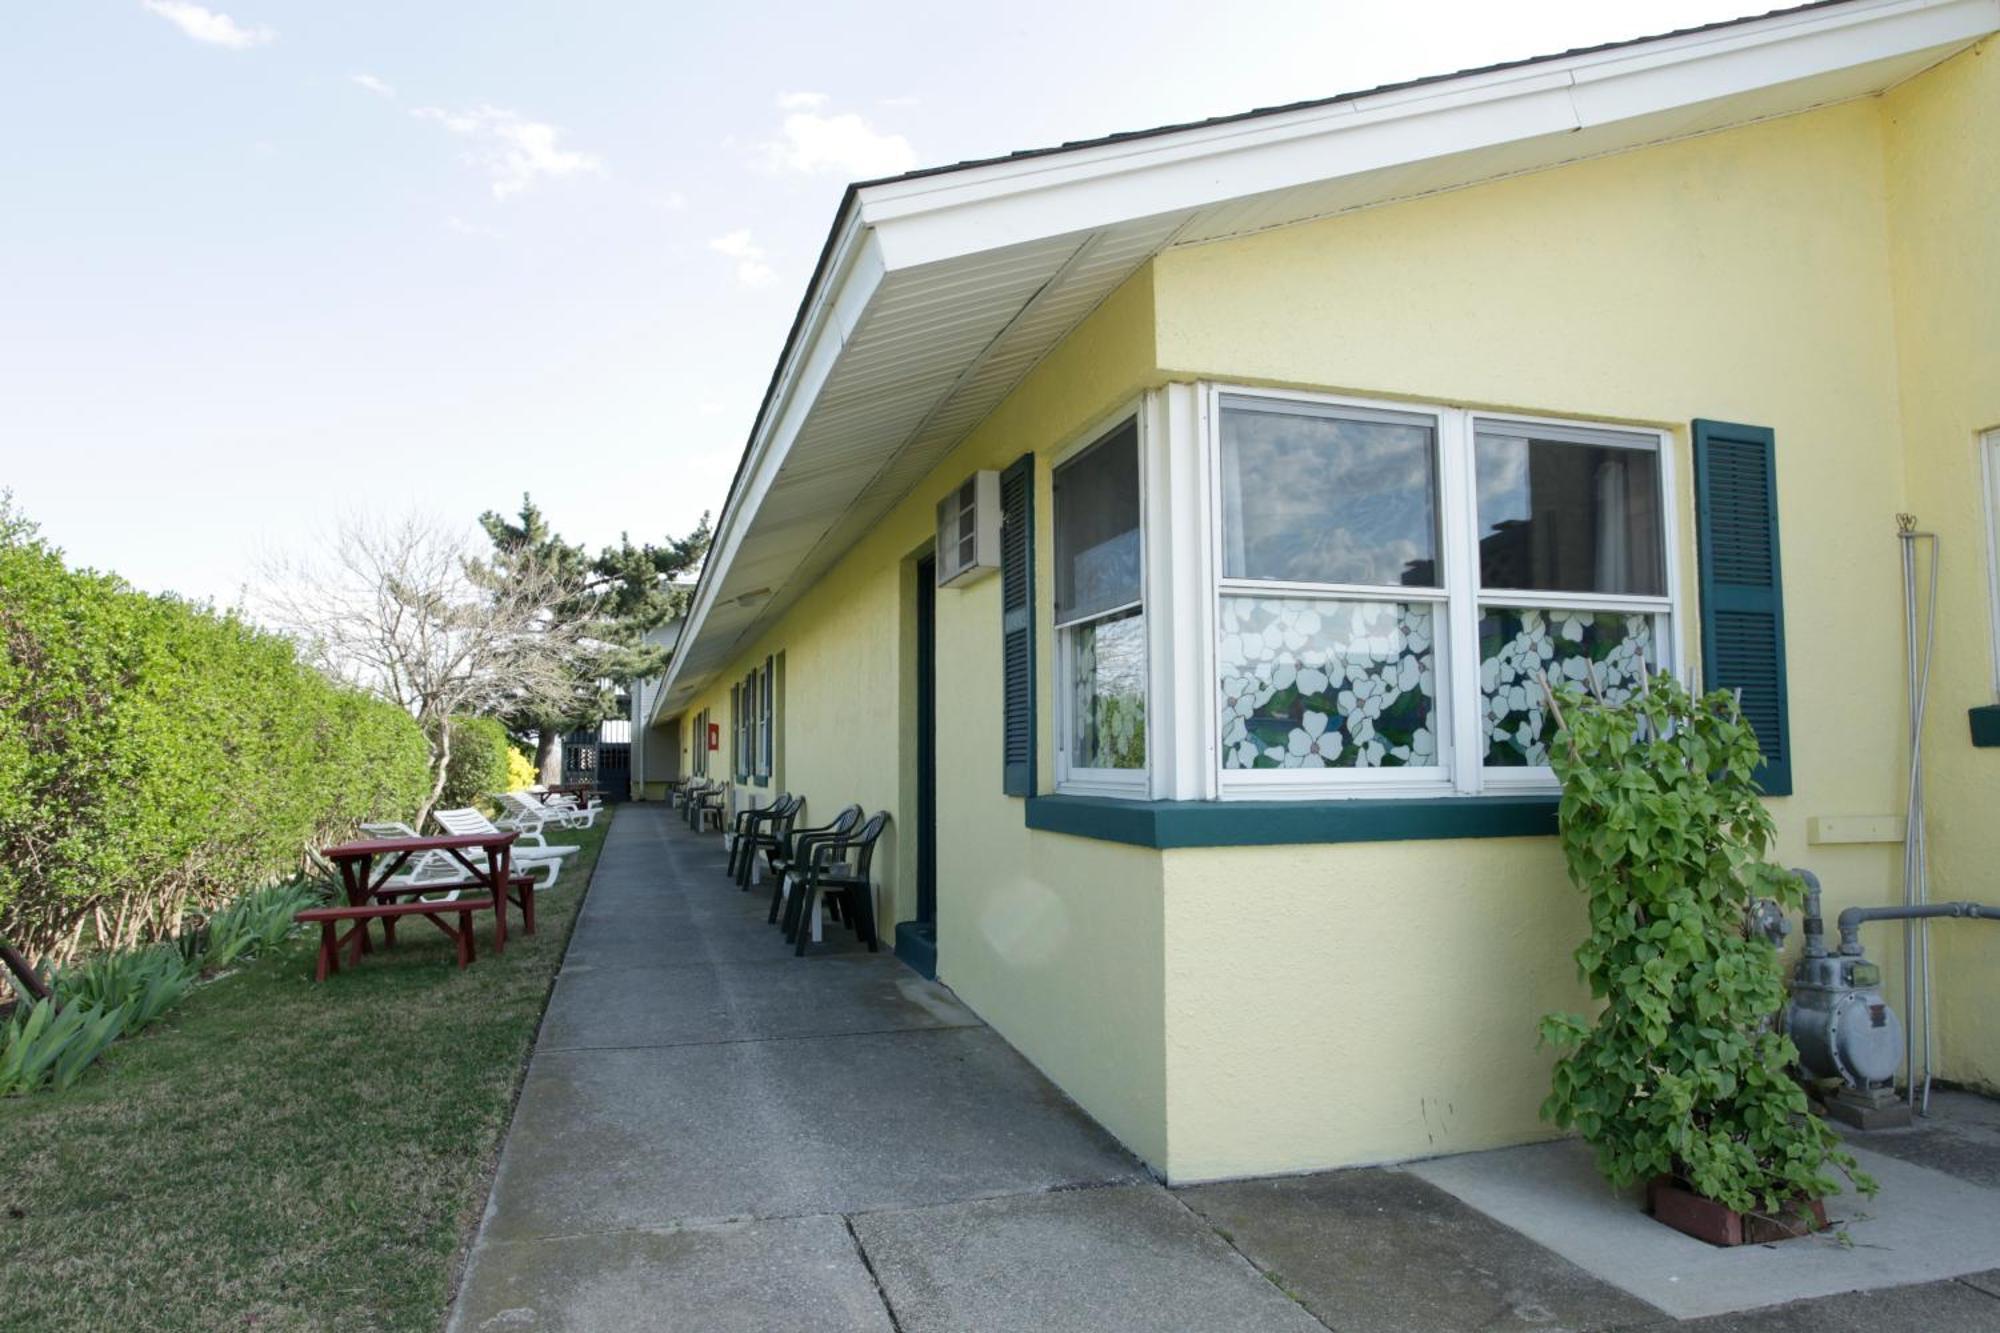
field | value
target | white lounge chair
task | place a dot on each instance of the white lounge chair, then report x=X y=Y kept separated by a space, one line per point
x=441 y=870
x=532 y=850
x=562 y=800
x=521 y=810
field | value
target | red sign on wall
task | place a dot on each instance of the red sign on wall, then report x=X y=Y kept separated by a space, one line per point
x=715 y=735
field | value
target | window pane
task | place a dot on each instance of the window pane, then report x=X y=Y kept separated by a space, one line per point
x=1320 y=499
x=1518 y=647
x=1108 y=707
x=1327 y=684
x=1566 y=516
x=1097 y=527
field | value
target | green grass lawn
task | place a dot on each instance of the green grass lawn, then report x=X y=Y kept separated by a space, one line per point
x=279 y=1154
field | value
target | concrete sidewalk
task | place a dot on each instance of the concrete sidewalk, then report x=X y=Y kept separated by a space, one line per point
x=715 y=1135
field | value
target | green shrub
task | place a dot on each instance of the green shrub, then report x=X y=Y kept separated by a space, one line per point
x=257 y=920
x=479 y=750
x=521 y=773
x=1683 y=1073
x=44 y=1044
x=144 y=982
x=157 y=755
x=119 y=992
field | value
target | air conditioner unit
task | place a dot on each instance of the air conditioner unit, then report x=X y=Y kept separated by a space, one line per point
x=968 y=530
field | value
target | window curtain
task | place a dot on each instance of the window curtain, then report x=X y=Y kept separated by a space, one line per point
x=1614 y=527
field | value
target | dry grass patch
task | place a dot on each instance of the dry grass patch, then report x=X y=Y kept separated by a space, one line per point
x=279 y=1154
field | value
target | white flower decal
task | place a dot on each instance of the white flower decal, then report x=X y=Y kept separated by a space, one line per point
x=1519 y=646
x=1324 y=684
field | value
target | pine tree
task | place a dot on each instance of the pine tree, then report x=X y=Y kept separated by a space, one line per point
x=623 y=592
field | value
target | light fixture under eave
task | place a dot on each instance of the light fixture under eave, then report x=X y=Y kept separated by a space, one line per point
x=754 y=596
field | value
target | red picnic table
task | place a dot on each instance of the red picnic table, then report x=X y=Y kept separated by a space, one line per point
x=365 y=887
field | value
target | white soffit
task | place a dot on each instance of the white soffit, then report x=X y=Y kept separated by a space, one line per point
x=941 y=290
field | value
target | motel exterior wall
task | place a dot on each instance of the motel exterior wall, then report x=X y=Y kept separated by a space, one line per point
x=1035 y=931
x=1942 y=134
x=1241 y=1010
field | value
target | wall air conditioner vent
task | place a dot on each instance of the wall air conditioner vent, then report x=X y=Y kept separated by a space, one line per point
x=968 y=530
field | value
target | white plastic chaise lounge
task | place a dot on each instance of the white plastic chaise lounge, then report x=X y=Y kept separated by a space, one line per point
x=528 y=855
x=523 y=810
x=561 y=800
x=441 y=870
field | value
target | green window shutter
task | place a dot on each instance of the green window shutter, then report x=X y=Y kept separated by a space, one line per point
x=1017 y=625
x=1742 y=587
x=766 y=716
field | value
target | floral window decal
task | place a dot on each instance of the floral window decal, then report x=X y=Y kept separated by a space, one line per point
x=1518 y=646
x=1322 y=683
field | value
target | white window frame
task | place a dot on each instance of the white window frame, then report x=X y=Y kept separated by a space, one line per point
x=1073 y=779
x=1989 y=458
x=1264 y=784
x=1666 y=610
x=1459 y=722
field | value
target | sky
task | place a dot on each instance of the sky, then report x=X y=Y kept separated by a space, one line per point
x=267 y=264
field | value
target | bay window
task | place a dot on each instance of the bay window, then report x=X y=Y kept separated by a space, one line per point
x=1352 y=598
x=1100 y=617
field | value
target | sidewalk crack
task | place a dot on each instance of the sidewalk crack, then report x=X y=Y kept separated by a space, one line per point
x=1276 y=1280
x=861 y=1252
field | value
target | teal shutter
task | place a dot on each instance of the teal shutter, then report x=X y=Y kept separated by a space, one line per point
x=1742 y=586
x=767 y=717
x=1017 y=625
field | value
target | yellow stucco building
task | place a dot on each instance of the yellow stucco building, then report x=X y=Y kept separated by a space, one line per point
x=1214 y=785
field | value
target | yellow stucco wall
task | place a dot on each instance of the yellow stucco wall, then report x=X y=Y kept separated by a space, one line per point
x=1339 y=1004
x=1944 y=217
x=1247 y=1010
x=1034 y=930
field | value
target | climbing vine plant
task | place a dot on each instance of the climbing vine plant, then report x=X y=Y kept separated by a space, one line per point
x=1683 y=1073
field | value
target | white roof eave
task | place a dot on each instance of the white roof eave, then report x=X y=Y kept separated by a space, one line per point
x=1522 y=117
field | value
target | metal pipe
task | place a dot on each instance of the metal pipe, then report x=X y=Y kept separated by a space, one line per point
x=1854 y=918
x=1916 y=851
x=1815 y=931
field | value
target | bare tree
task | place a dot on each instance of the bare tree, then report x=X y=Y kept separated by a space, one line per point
x=403 y=609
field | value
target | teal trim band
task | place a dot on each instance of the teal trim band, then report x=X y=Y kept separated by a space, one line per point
x=1986 y=726
x=916 y=945
x=1273 y=823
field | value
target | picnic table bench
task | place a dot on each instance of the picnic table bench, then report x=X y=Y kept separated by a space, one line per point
x=371 y=897
x=332 y=941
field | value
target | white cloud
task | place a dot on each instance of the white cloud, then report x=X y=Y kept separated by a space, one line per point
x=512 y=150
x=206 y=25
x=464 y=228
x=801 y=101
x=673 y=201
x=845 y=144
x=373 y=85
x=739 y=245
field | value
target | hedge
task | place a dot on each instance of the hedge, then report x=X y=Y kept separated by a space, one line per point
x=158 y=757
x=478 y=767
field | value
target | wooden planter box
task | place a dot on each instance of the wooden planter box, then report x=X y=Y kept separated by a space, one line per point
x=1705 y=1219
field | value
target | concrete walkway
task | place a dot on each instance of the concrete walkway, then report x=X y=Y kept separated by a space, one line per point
x=714 y=1135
